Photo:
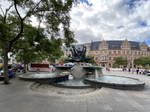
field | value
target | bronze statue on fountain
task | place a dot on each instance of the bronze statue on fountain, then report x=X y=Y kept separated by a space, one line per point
x=78 y=54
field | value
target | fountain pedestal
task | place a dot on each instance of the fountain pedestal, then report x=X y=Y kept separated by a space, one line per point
x=93 y=70
x=78 y=72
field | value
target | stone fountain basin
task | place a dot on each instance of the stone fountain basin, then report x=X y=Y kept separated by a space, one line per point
x=113 y=81
x=63 y=67
x=73 y=84
x=92 y=67
x=44 y=77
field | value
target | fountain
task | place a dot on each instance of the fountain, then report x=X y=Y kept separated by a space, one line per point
x=44 y=76
x=83 y=75
x=92 y=75
x=79 y=71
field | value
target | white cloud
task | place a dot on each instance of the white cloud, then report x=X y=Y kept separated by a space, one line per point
x=111 y=19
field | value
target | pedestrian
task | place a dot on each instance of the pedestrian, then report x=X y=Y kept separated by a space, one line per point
x=137 y=70
x=129 y=69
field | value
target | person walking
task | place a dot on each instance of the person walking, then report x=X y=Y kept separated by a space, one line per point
x=137 y=70
x=129 y=69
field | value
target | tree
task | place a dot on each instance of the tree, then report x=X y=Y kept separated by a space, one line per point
x=12 y=25
x=144 y=61
x=12 y=20
x=36 y=47
x=69 y=37
x=26 y=50
x=120 y=61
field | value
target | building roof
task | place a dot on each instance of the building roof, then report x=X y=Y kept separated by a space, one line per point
x=115 y=45
x=95 y=45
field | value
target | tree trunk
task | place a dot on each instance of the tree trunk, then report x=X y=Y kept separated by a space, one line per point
x=5 y=58
x=25 y=67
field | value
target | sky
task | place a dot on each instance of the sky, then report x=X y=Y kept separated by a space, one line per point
x=93 y=20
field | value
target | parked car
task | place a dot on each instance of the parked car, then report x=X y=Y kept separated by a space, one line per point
x=18 y=68
x=69 y=64
x=146 y=72
x=11 y=73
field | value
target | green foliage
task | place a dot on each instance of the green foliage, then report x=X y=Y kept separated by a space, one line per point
x=8 y=29
x=55 y=13
x=62 y=59
x=13 y=35
x=144 y=61
x=116 y=66
x=120 y=61
x=0 y=52
x=36 y=47
x=69 y=37
x=92 y=61
x=59 y=18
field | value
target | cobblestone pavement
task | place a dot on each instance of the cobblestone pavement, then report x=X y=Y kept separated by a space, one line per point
x=19 y=97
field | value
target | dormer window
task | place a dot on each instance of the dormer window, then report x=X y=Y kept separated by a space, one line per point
x=143 y=46
x=125 y=45
x=103 y=45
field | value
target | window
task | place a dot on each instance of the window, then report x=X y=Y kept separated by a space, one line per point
x=121 y=52
x=124 y=52
x=103 y=52
x=139 y=53
x=114 y=52
x=109 y=52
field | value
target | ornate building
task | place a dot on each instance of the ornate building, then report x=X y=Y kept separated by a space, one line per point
x=104 y=52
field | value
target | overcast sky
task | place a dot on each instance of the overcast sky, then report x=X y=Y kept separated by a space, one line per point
x=111 y=20
x=93 y=20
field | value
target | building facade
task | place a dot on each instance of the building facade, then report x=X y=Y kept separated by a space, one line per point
x=104 y=52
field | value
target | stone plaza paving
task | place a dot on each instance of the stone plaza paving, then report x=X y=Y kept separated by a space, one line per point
x=20 y=97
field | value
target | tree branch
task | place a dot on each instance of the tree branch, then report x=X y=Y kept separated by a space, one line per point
x=15 y=4
x=11 y=42
x=5 y=15
x=32 y=9
x=4 y=20
x=2 y=11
